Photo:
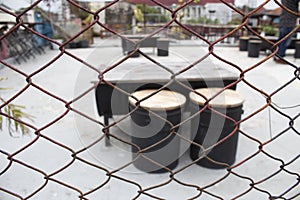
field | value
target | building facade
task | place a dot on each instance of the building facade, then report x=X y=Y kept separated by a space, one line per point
x=214 y=10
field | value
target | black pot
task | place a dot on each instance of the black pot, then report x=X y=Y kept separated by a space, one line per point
x=149 y=129
x=210 y=128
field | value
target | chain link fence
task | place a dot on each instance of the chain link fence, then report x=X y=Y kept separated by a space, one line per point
x=72 y=153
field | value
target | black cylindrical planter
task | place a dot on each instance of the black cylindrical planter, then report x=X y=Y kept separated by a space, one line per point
x=297 y=50
x=254 y=48
x=212 y=127
x=149 y=129
x=130 y=47
x=73 y=45
x=83 y=44
x=162 y=47
x=243 y=45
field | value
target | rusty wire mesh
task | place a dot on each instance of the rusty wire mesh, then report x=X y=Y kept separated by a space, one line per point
x=80 y=176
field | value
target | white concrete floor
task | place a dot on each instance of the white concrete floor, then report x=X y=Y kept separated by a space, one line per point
x=67 y=78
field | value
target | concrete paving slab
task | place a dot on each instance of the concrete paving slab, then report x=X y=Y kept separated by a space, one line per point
x=67 y=78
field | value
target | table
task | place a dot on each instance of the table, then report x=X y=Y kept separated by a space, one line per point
x=140 y=73
x=149 y=42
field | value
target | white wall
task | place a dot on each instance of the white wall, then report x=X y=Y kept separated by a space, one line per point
x=222 y=12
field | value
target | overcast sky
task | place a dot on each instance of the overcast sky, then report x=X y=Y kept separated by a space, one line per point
x=270 y=4
x=17 y=4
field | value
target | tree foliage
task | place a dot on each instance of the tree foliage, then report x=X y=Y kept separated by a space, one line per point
x=149 y=14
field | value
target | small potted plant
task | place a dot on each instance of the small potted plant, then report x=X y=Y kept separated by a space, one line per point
x=15 y=113
x=270 y=30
